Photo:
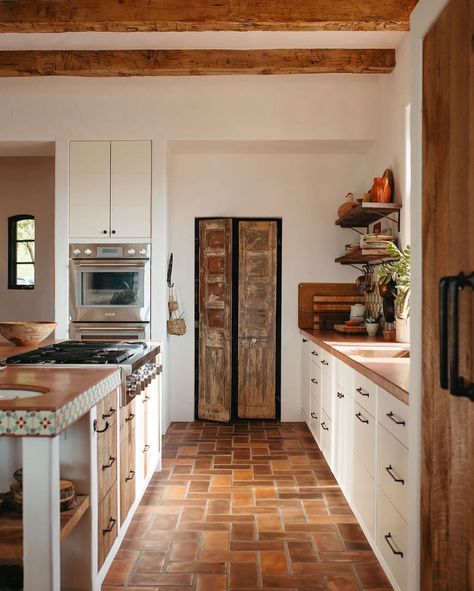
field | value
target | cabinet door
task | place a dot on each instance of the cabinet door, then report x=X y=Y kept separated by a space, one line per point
x=89 y=189
x=305 y=380
x=130 y=189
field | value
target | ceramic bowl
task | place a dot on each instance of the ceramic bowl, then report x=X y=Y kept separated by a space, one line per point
x=372 y=328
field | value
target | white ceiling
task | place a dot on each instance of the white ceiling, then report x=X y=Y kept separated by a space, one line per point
x=203 y=40
x=9 y=149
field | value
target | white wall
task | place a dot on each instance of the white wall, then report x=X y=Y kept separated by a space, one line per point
x=303 y=185
x=27 y=187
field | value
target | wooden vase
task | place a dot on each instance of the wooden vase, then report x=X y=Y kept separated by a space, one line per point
x=381 y=191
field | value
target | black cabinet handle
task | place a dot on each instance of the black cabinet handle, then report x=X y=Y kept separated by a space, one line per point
x=359 y=415
x=393 y=418
x=110 y=464
x=314 y=381
x=449 y=288
x=362 y=392
x=104 y=231
x=146 y=448
x=146 y=399
x=131 y=476
x=109 y=414
x=95 y=423
x=112 y=523
x=313 y=415
x=305 y=340
x=324 y=362
x=340 y=395
x=314 y=353
x=389 y=469
x=388 y=537
x=113 y=232
x=323 y=425
x=130 y=417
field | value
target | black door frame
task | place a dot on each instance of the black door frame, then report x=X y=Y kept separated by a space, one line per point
x=235 y=308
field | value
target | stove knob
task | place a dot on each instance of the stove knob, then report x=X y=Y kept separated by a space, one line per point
x=76 y=251
x=131 y=251
x=88 y=251
x=142 y=250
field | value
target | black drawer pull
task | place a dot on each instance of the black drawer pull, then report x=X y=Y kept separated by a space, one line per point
x=95 y=423
x=359 y=415
x=314 y=381
x=314 y=353
x=389 y=470
x=388 y=537
x=110 y=464
x=146 y=448
x=392 y=417
x=362 y=392
x=323 y=425
x=131 y=476
x=146 y=399
x=305 y=340
x=130 y=417
x=324 y=362
x=340 y=395
x=313 y=415
x=112 y=523
x=109 y=414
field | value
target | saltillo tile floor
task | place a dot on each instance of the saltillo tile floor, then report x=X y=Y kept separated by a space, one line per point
x=246 y=506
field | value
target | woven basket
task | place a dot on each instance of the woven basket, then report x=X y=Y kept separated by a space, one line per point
x=177 y=326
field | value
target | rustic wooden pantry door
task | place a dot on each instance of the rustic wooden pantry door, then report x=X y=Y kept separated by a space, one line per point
x=237 y=319
x=447 y=507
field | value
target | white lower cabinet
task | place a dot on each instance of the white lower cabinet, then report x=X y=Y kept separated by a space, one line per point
x=305 y=384
x=362 y=431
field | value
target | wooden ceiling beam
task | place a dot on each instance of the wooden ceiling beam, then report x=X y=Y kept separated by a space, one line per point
x=112 y=63
x=49 y=16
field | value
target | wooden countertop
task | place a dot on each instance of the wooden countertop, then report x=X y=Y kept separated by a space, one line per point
x=391 y=374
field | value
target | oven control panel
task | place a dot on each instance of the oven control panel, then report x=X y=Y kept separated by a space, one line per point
x=109 y=251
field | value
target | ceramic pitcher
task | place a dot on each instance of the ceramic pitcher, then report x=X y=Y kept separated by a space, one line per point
x=381 y=191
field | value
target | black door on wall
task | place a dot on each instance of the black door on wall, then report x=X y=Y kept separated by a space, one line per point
x=238 y=318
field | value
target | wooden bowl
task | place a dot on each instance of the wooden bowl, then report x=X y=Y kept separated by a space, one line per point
x=26 y=333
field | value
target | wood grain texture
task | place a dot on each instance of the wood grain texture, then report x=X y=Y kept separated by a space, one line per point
x=307 y=292
x=195 y=62
x=215 y=324
x=48 y=16
x=257 y=319
x=448 y=247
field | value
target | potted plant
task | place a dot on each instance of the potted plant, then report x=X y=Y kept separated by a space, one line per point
x=398 y=271
x=372 y=324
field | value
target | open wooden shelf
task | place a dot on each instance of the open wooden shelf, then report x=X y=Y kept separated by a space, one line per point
x=11 y=528
x=367 y=213
x=357 y=258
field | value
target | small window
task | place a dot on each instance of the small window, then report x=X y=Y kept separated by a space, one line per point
x=21 y=252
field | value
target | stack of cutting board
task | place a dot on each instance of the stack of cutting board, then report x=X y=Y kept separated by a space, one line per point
x=331 y=310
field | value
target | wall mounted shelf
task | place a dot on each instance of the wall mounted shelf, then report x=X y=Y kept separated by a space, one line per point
x=369 y=212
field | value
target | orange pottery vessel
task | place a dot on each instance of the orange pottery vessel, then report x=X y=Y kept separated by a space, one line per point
x=381 y=192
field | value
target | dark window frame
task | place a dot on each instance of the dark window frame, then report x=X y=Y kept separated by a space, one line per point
x=12 y=251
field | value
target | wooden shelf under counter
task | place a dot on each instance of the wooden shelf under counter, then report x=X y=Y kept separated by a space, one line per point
x=11 y=528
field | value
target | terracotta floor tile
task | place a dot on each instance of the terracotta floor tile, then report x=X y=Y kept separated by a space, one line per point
x=160 y=579
x=327 y=542
x=267 y=492
x=269 y=523
x=218 y=507
x=228 y=556
x=193 y=514
x=184 y=551
x=216 y=540
x=242 y=498
x=301 y=551
x=196 y=567
x=119 y=572
x=243 y=576
x=150 y=562
x=371 y=575
x=221 y=481
x=342 y=583
x=211 y=583
x=243 y=532
x=273 y=562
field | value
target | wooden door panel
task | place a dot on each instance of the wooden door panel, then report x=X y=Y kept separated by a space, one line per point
x=215 y=325
x=257 y=319
x=448 y=248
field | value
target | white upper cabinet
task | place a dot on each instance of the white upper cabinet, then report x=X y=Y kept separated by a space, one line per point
x=89 y=189
x=110 y=189
x=130 y=189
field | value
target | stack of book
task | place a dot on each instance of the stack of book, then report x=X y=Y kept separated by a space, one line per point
x=375 y=243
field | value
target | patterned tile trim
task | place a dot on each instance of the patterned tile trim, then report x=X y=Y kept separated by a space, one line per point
x=48 y=423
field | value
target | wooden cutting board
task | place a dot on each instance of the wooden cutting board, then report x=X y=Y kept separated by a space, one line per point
x=350 y=329
x=334 y=293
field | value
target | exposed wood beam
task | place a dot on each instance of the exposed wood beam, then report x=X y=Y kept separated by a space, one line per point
x=28 y=16
x=195 y=62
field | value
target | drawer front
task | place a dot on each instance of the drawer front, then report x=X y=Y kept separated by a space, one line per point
x=392 y=538
x=393 y=415
x=127 y=460
x=344 y=378
x=315 y=353
x=315 y=418
x=363 y=494
x=327 y=383
x=108 y=524
x=315 y=380
x=306 y=346
x=106 y=414
x=365 y=392
x=392 y=469
x=326 y=435
x=364 y=437
x=107 y=460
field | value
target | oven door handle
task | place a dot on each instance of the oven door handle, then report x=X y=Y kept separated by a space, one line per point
x=111 y=328
x=131 y=265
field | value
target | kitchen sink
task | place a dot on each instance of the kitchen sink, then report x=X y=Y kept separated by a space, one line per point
x=15 y=393
x=382 y=353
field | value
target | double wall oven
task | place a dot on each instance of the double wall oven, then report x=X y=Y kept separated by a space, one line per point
x=109 y=291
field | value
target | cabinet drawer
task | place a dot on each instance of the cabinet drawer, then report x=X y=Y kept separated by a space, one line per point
x=344 y=377
x=393 y=415
x=392 y=469
x=306 y=346
x=364 y=392
x=127 y=459
x=327 y=383
x=364 y=437
x=326 y=435
x=106 y=414
x=315 y=418
x=108 y=524
x=363 y=494
x=315 y=380
x=392 y=538
x=106 y=460
x=315 y=353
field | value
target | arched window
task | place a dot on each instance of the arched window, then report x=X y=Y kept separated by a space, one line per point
x=21 y=252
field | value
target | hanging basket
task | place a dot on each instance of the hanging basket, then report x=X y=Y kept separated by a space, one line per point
x=172 y=305
x=176 y=326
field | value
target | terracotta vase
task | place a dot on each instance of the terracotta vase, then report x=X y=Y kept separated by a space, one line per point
x=381 y=191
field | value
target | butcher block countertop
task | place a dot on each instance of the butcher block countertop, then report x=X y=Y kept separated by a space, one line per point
x=390 y=373
x=69 y=393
